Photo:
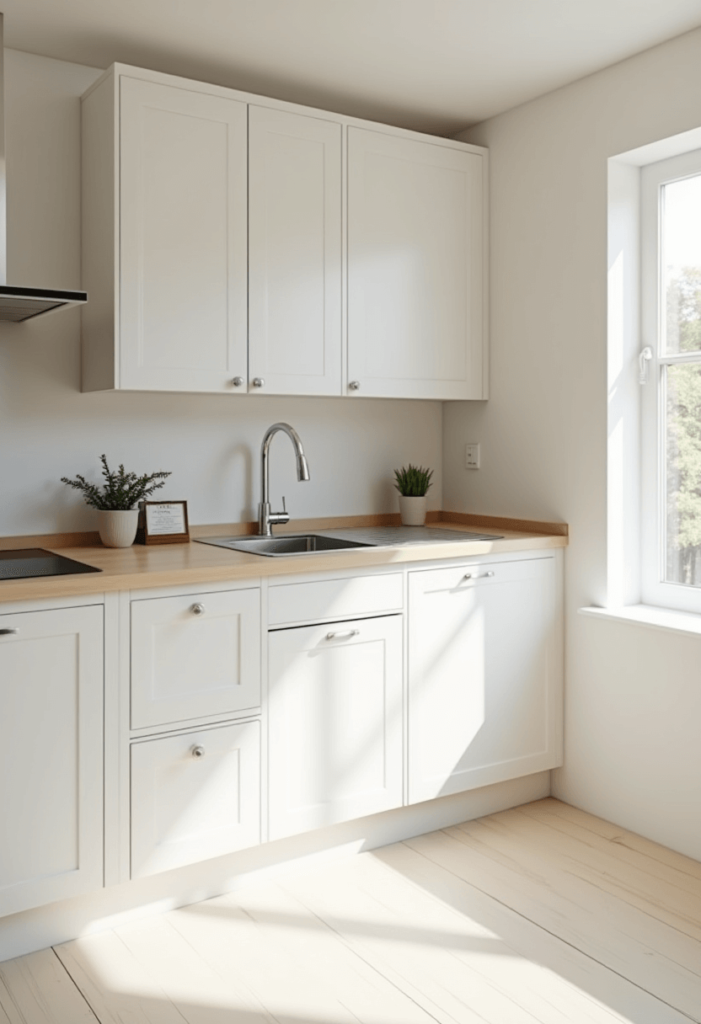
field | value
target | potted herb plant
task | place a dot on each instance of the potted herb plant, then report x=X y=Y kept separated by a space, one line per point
x=117 y=500
x=412 y=482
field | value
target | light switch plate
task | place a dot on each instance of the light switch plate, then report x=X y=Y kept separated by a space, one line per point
x=472 y=456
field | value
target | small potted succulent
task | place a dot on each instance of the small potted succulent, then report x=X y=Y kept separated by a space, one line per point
x=117 y=501
x=412 y=482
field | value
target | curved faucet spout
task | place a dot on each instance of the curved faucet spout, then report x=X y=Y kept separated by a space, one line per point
x=266 y=518
x=302 y=468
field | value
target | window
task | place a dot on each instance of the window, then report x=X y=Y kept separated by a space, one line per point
x=670 y=372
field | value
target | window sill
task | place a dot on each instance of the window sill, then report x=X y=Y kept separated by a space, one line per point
x=667 y=619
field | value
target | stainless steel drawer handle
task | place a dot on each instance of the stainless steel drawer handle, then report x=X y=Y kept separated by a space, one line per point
x=197 y=609
x=7 y=632
x=237 y=382
x=490 y=573
x=258 y=382
x=354 y=385
x=197 y=751
x=480 y=575
x=343 y=634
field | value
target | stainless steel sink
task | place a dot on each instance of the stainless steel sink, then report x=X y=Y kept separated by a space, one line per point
x=292 y=544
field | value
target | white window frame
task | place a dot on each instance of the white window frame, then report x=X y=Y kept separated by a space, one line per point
x=655 y=591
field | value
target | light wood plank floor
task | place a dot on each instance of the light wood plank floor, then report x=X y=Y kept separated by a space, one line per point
x=538 y=915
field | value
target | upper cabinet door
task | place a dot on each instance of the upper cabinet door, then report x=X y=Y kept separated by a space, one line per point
x=415 y=265
x=183 y=303
x=295 y=211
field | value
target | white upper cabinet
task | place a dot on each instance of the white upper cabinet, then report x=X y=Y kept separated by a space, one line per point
x=183 y=238
x=175 y=280
x=415 y=264
x=235 y=244
x=295 y=273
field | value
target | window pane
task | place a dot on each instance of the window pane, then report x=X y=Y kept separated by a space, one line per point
x=683 y=474
x=681 y=264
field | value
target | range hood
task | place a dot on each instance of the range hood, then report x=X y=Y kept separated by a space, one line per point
x=17 y=304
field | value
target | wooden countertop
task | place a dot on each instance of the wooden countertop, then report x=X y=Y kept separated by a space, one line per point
x=140 y=567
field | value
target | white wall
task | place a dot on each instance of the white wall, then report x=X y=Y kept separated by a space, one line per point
x=48 y=429
x=633 y=700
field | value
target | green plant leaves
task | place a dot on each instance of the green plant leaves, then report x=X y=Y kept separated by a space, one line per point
x=412 y=481
x=121 y=491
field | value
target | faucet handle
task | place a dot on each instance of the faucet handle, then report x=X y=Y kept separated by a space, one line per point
x=284 y=506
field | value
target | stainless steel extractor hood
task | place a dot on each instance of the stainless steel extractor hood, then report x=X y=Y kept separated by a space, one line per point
x=17 y=304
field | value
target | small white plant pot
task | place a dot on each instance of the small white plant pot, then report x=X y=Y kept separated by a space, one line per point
x=412 y=510
x=117 y=528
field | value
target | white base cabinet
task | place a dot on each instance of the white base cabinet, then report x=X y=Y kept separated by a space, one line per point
x=382 y=688
x=194 y=796
x=51 y=699
x=335 y=723
x=485 y=675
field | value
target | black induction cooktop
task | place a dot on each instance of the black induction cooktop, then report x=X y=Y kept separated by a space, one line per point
x=27 y=562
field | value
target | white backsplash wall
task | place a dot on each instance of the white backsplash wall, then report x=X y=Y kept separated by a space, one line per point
x=211 y=443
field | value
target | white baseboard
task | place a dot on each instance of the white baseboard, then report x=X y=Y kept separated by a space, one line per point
x=109 y=908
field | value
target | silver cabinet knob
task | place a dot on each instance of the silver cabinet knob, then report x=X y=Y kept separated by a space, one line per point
x=237 y=382
x=197 y=609
x=197 y=751
x=7 y=632
x=258 y=382
x=354 y=385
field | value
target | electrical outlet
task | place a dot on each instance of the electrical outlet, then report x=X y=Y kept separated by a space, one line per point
x=472 y=456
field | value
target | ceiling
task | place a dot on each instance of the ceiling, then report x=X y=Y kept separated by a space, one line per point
x=432 y=65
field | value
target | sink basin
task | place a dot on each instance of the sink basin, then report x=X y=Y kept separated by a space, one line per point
x=292 y=544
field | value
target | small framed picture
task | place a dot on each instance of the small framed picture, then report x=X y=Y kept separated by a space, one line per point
x=163 y=522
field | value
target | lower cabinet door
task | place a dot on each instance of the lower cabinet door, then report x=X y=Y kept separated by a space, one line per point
x=194 y=796
x=485 y=675
x=335 y=713
x=51 y=754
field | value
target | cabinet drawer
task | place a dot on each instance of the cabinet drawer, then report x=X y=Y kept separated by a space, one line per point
x=335 y=599
x=194 y=656
x=194 y=796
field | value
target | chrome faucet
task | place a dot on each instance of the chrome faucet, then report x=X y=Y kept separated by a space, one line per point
x=266 y=518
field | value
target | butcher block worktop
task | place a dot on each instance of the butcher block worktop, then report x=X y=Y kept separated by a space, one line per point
x=140 y=567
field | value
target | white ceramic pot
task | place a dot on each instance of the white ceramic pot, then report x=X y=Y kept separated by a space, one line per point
x=412 y=510
x=117 y=528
